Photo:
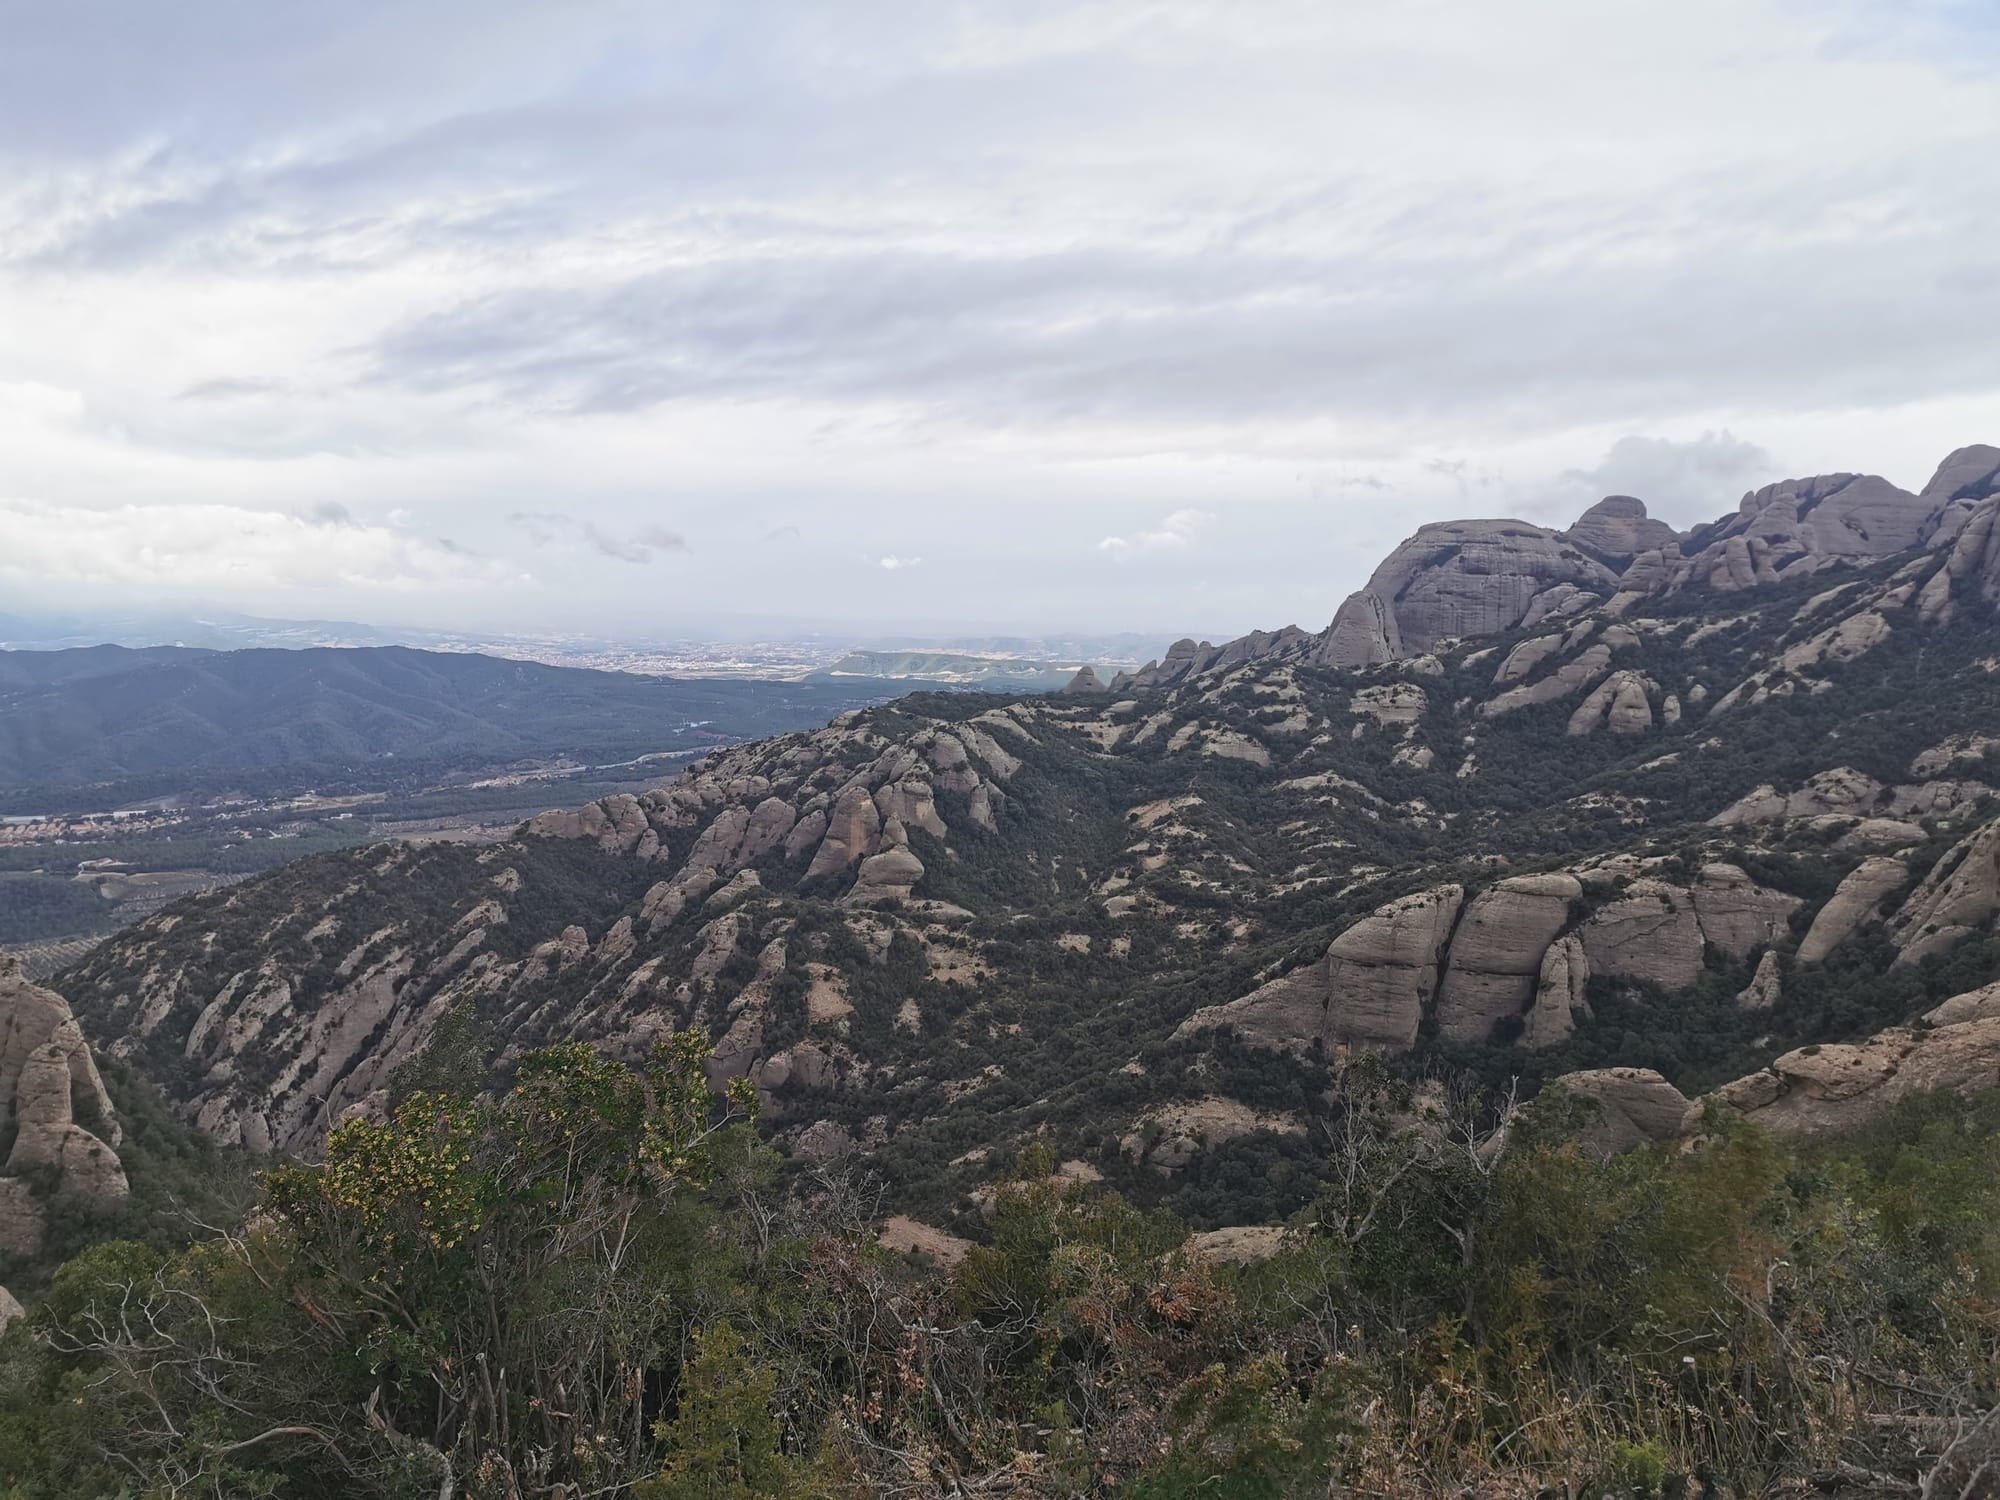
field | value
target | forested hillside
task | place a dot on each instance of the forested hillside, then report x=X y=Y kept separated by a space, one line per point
x=106 y=714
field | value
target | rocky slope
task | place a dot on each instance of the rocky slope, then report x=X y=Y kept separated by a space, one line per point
x=1535 y=803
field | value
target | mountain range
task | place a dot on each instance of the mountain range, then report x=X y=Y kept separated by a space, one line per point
x=1690 y=820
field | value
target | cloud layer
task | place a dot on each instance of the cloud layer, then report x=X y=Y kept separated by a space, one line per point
x=1246 y=293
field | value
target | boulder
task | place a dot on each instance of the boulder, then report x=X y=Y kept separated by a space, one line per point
x=1236 y=1245
x=1495 y=959
x=1618 y=529
x=892 y=874
x=32 y=1019
x=1842 y=791
x=615 y=824
x=1856 y=900
x=1172 y=1135
x=902 y=1235
x=1390 y=703
x=1974 y=565
x=23 y=1220
x=1635 y=1106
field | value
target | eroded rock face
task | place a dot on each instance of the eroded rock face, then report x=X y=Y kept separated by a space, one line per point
x=1801 y=525
x=1738 y=915
x=1618 y=529
x=1370 y=990
x=1966 y=477
x=1854 y=902
x=1650 y=933
x=1497 y=950
x=1571 y=677
x=1766 y=986
x=45 y=1066
x=1456 y=578
x=1559 y=994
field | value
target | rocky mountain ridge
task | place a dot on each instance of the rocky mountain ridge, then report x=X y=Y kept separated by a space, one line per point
x=1689 y=828
x=1456 y=579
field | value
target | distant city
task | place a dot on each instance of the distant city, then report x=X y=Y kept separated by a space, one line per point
x=775 y=658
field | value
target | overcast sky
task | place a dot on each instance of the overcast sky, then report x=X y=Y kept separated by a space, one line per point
x=1174 y=316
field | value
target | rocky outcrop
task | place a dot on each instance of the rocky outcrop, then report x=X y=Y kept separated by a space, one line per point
x=1390 y=703
x=1966 y=477
x=1800 y=526
x=1634 y=1106
x=1840 y=1086
x=1839 y=792
x=1571 y=677
x=1236 y=1245
x=1766 y=987
x=1171 y=1136
x=1521 y=662
x=1187 y=659
x=1617 y=529
x=1655 y=931
x=902 y=1235
x=1736 y=914
x=1650 y=934
x=1371 y=988
x=1957 y=900
x=1456 y=578
x=891 y=875
x=1559 y=994
x=1619 y=703
x=45 y=1069
x=1496 y=953
x=1856 y=900
x=616 y=824
x=1085 y=681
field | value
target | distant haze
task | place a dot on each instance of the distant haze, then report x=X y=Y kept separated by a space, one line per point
x=511 y=316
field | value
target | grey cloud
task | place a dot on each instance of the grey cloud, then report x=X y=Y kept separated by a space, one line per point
x=233 y=388
x=1128 y=334
x=1696 y=477
x=546 y=528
